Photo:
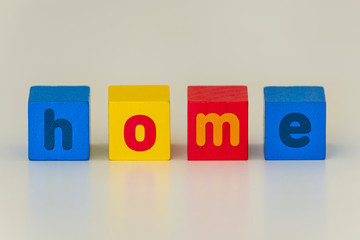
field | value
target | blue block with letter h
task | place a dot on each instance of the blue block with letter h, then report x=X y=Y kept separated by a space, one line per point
x=58 y=123
x=295 y=123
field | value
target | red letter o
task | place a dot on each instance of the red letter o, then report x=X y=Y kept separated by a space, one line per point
x=130 y=135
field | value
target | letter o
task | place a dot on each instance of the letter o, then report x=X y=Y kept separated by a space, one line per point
x=130 y=133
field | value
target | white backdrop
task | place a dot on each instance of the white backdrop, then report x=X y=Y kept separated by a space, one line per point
x=180 y=43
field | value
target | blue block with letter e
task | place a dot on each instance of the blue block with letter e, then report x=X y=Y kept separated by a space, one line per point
x=295 y=123
x=58 y=123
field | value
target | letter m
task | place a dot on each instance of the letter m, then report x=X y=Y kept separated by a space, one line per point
x=217 y=122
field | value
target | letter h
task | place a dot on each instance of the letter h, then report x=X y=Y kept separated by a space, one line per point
x=51 y=125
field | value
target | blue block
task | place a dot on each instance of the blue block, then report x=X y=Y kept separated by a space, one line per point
x=58 y=123
x=295 y=123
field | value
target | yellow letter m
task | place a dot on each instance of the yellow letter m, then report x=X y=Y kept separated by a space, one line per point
x=217 y=122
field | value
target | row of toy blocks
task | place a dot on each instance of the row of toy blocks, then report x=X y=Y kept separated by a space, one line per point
x=139 y=123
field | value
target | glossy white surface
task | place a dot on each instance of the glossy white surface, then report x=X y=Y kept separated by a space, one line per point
x=180 y=43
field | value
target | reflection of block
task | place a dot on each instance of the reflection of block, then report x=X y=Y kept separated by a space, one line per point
x=295 y=123
x=144 y=186
x=139 y=122
x=217 y=123
x=59 y=123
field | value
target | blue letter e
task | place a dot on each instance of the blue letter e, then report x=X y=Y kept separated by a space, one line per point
x=286 y=130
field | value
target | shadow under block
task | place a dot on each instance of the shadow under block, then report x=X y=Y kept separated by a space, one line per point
x=217 y=123
x=295 y=123
x=139 y=122
x=58 y=123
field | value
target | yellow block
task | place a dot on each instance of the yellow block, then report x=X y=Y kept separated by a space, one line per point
x=139 y=122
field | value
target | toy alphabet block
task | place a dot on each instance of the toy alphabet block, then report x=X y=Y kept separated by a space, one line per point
x=217 y=123
x=295 y=123
x=139 y=122
x=58 y=123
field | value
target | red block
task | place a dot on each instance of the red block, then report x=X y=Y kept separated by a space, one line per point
x=217 y=123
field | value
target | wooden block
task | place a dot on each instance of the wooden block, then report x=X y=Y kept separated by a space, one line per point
x=217 y=123
x=295 y=123
x=139 y=122
x=58 y=123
